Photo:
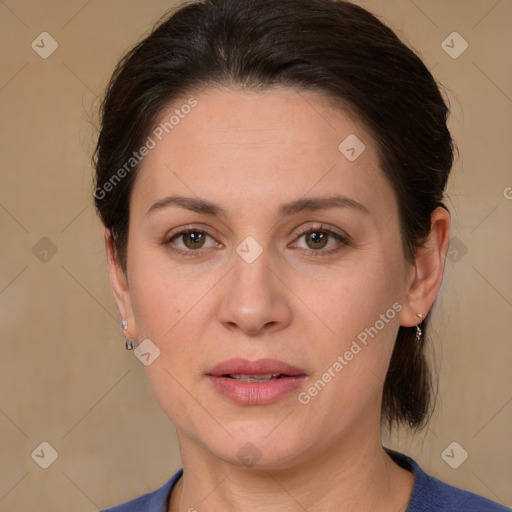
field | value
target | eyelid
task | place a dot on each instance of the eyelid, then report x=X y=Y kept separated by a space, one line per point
x=342 y=238
x=184 y=230
x=189 y=228
x=321 y=227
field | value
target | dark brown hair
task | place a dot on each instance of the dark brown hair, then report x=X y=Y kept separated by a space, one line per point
x=335 y=48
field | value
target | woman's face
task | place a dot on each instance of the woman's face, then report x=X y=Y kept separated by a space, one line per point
x=248 y=282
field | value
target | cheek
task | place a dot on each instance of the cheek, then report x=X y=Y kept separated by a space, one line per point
x=356 y=313
x=173 y=309
x=163 y=295
x=351 y=299
x=169 y=311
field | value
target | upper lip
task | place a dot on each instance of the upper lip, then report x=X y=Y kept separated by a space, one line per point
x=258 y=367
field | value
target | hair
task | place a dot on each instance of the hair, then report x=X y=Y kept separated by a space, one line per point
x=334 y=48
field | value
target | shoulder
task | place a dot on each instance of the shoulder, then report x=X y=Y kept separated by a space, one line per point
x=155 y=501
x=431 y=494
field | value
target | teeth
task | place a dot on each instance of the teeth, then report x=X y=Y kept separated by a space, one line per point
x=242 y=377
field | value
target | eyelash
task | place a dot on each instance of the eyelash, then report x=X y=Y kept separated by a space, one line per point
x=305 y=231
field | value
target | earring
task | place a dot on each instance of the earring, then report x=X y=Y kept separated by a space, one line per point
x=419 y=332
x=124 y=326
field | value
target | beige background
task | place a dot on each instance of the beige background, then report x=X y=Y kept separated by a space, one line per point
x=65 y=377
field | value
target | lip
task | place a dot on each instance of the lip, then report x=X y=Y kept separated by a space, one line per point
x=258 y=367
x=255 y=393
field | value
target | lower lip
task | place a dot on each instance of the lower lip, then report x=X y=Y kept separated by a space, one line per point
x=255 y=393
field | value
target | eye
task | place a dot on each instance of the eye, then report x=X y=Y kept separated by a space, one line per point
x=189 y=241
x=193 y=242
x=317 y=240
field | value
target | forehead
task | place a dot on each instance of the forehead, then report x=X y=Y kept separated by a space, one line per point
x=240 y=146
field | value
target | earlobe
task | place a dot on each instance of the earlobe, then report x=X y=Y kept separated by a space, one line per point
x=428 y=272
x=119 y=284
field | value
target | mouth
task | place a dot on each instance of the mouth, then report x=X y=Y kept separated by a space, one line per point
x=255 y=382
x=261 y=369
x=264 y=377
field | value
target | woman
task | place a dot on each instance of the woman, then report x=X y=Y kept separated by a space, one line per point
x=270 y=174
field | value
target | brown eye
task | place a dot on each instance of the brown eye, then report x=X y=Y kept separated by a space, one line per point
x=316 y=239
x=190 y=242
x=193 y=239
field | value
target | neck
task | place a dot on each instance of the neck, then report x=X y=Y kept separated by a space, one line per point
x=356 y=475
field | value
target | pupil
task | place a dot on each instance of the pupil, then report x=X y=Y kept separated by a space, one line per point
x=195 y=238
x=316 y=238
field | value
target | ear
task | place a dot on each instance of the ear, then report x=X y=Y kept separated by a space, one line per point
x=425 y=279
x=119 y=284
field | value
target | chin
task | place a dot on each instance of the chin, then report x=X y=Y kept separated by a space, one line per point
x=260 y=447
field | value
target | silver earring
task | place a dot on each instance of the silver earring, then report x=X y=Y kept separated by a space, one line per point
x=419 y=332
x=124 y=326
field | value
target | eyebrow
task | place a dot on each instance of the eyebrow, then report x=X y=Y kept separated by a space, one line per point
x=308 y=204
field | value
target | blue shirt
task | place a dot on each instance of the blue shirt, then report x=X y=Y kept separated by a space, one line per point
x=429 y=494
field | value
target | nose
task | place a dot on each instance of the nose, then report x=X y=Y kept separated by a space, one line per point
x=255 y=297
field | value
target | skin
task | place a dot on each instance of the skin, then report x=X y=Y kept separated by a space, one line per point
x=249 y=152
